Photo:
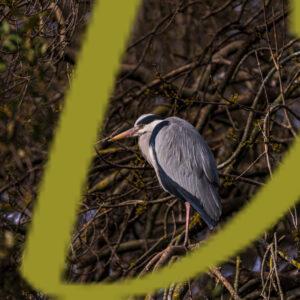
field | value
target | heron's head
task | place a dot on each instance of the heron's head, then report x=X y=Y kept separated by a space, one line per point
x=144 y=124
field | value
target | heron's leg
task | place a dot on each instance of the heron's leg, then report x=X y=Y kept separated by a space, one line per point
x=187 y=221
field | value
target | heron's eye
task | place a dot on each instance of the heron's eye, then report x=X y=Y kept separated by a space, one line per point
x=142 y=129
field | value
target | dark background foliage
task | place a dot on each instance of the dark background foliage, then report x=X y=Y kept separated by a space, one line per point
x=229 y=67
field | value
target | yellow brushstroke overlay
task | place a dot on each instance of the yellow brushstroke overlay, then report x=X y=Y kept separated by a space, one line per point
x=59 y=196
x=295 y=17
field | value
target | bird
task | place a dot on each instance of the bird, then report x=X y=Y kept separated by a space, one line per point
x=183 y=162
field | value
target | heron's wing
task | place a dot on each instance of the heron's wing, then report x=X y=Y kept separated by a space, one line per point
x=186 y=167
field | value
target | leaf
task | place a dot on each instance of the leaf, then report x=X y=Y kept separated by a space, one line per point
x=2 y=66
x=8 y=45
x=5 y=27
x=15 y=38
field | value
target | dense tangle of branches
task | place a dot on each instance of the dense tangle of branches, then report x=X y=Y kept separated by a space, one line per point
x=229 y=67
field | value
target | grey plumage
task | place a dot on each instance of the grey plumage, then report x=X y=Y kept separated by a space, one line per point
x=183 y=162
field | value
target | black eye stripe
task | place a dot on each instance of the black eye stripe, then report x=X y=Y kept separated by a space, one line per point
x=148 y=119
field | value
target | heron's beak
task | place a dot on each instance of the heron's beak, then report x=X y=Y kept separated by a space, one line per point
x=128 y=133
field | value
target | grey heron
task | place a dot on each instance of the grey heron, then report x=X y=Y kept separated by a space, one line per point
x=183 y=162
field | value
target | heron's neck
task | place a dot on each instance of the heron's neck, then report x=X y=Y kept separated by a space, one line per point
x=144 y=146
